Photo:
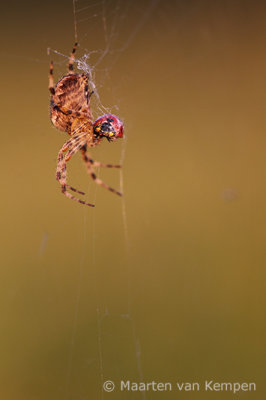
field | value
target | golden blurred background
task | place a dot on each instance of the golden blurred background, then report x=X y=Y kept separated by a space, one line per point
x=167 y=284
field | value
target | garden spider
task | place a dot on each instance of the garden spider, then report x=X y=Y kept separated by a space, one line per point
x=70 y=112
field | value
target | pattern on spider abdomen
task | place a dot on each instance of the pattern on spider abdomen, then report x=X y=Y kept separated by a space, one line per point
x=71 y=96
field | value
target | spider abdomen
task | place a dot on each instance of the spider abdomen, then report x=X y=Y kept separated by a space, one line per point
x=70 y=97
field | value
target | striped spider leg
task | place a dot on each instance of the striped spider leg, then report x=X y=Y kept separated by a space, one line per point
x=90 y=163
x=72 y=146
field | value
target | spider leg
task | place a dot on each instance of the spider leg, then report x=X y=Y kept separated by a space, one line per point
x=94 y=163
x=72 y=59
x=51 y=78
x=92 y=174
x=75 y=190
x=72 y=145
x=61 y=169
x=88 y=94
x=70 y=196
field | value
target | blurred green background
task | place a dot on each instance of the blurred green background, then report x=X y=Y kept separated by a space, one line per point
x=167 y=284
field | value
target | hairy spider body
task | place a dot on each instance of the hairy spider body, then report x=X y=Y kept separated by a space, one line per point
x=70 y=112
x=70 y=97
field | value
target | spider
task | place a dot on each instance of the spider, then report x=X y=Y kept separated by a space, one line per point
x=70 y=112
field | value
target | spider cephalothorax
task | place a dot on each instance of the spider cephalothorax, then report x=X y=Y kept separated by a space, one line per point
x=70 y=112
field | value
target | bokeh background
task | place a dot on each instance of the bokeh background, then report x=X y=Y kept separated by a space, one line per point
x=167 y=284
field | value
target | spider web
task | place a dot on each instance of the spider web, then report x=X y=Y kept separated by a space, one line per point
x=105 y=33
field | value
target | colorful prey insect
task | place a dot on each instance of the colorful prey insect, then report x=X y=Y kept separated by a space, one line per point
x=70 y=112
